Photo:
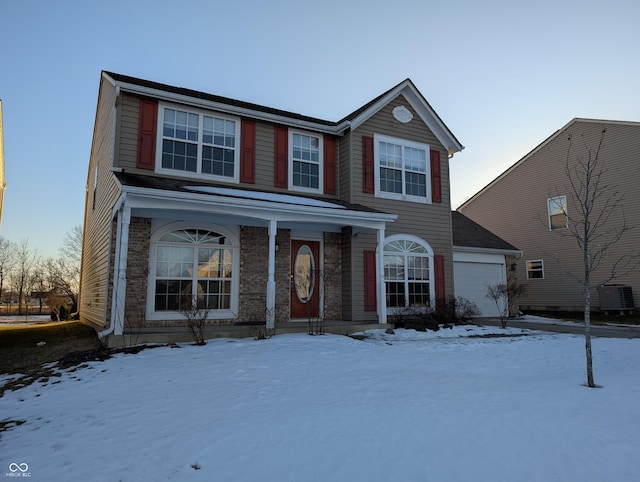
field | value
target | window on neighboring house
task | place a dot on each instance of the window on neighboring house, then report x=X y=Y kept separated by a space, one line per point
x=199 y=143
x=408 y=264
x=403 y=169
x=557 y=207
x=194 y=263
x=535 y=269
x=305 y=157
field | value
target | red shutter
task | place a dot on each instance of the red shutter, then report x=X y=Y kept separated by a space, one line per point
x=248 y=151
x=329 y=165
x=438 y=262
x=281 y=160
x=436 y=178
x=370 y=280
x=147 y=128
x=367 y=165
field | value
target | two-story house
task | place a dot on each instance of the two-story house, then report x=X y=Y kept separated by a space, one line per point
x=532 y=205
x=262 y=215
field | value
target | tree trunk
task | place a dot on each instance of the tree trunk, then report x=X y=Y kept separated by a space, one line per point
x=587 y=333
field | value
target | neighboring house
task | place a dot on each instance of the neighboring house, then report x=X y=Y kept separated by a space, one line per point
x=481 y=259
x=3 y=183
x=526 y=206
x=265 y=215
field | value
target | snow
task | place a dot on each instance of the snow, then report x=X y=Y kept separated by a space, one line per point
x=266 y=196
x=454 y=405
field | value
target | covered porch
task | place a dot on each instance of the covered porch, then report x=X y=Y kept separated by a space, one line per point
x=271 y=214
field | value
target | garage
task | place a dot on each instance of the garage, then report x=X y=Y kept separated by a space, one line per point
x=473 y=273
x=479 y=261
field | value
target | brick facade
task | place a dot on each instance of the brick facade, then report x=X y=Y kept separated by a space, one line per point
x=254 y=245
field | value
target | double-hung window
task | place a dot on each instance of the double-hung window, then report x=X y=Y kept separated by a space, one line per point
x=557 y=207
x=403 y=169
x=305 y=162
x=535 y=269
x=198 y=143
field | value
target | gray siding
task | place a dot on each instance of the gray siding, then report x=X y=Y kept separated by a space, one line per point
x=128 y=142
x=97 y=218
x=431 y=222
x=514 y=207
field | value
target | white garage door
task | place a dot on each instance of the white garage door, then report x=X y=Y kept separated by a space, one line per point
x=472 y=279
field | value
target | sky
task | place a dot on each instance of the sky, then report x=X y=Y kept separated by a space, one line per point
x=331 y=408
x=502 y=75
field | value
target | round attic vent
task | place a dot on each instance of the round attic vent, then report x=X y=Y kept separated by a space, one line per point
x=402 y=114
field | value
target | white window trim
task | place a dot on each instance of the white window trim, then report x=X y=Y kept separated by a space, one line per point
x=320 y=137
x=526 y=267
x=563 y=204
x=157 y=233
x=377 y=138
x=432 y=282
x=198 y=174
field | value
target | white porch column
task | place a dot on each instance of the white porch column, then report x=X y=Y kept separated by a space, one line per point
x=271 y=282
x=120 y=277
x=381 y=288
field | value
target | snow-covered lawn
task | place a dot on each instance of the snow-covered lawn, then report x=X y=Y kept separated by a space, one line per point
x=412 y=406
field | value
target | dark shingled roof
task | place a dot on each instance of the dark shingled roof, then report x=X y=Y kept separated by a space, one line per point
x=214 y=98
x=470 y=234
x=180 y=185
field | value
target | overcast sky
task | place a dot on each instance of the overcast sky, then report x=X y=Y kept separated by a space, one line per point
x=503 y=75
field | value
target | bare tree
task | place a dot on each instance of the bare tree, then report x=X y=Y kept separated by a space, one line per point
x=196 y=313
x=505 y=296
x=591 y=221
x=7 y=260
x=26 y=260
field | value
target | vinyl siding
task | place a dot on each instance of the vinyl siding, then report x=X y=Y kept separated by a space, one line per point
x=264 y=170
x=430 y=222
x=97 y=218
x=514 y=207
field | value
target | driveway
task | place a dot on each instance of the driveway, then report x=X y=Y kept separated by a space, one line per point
x=558 y=326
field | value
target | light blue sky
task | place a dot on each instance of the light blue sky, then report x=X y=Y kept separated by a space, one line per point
x=503 y=75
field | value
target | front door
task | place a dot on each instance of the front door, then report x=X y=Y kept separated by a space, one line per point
x=305 y=286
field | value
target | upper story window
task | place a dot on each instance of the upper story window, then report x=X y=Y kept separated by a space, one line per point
x=198 y=143
x=557 y=208
x=403 y=169
x=305 y=162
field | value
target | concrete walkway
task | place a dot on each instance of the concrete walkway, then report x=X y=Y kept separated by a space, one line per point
x=559 y=326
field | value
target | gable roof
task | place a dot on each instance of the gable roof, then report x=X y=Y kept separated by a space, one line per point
x=428 y=115
x=248 y=109
x=575 y=120
x=469 y=234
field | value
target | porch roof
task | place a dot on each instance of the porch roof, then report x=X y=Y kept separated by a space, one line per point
x=159 y=196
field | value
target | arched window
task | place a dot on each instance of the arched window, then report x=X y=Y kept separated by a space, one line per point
x=408 y=268
x=194 y=264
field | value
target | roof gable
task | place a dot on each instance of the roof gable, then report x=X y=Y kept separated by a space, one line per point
x=559 y=132
x=417 y=101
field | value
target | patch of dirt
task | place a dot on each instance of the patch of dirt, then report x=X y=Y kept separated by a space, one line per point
x=37 y=353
